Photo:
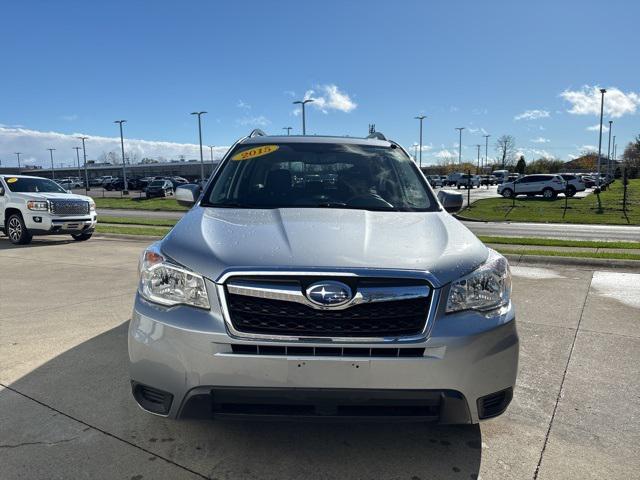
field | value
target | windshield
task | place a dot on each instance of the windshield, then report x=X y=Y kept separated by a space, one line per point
x=35 y=185
x=157 y=183
x=299 y=175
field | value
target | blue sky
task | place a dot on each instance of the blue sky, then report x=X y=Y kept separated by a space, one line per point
x=506 y=67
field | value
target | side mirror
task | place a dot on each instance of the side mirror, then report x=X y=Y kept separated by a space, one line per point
x=452 y=202
x=187 y=195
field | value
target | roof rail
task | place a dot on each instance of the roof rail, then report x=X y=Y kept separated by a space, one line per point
x=256 y=132
x=377 y=135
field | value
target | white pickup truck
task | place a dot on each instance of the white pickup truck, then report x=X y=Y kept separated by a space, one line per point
x=38 y=206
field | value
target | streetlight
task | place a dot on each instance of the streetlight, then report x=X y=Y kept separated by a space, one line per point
x=609 y=149
x=303 y=103
x=486 y=150
x=199 y=114
x=460 y=145
x=478 y=167
x=602 y=91
x=18 y=155
x=211 y=151
x=77 y=149
x=86 y=173
x=288 y=129
x=613 y=152
x=124 y=162
x=53 y=170
x=421 y=118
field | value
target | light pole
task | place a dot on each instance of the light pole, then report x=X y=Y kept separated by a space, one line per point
x=199 y=114
x=86 y=172
x=77 y=149
x=303 y=103
x=460 y=145
x=609 y=148
x=18 y=155
x=288 y=129
x=211 y=151
x=486 y=150
x=602 y=91
x=421 y=118
x=613 y=155
x=53 y=169
x=124 y=162
x=478 y=167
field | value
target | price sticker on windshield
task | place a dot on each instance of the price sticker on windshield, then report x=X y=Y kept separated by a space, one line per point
x=255 y=152
x=12 y=180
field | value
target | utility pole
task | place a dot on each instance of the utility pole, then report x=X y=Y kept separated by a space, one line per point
x=478 y=167
x=613 y=154
x=199 y=114
x=86 y=172
x=609 y=148
x=420 y=118
x=460 y=145
x=211 y=150
x=602 y=91
x=18 y=155
x=53 y=169
x=125 y=190
x=288 y=129
x=486 y=150
x=77 y=149
x=304 y=121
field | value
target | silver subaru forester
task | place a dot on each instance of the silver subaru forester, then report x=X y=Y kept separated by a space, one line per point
x=319 y=277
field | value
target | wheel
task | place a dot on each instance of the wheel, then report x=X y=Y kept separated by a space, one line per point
x=571 y=191
x=548 y=193
x=81 y=237
x=507 y=193
x=17 y=231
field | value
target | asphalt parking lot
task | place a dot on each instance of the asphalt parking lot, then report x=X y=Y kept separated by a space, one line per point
x=66 y=411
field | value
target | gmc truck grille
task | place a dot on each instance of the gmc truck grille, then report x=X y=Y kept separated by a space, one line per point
x=267 y=316
x=69 y=207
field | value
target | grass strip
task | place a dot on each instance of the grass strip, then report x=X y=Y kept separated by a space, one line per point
x=156 y=204
x=555 y=253
x=554 y=242
x=158 y=222
x=128 y=230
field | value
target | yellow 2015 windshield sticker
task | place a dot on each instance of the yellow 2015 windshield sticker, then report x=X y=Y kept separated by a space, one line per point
x=12 y=180
x=255 y=152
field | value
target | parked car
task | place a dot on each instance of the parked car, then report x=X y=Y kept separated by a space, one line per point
x=468 y=181
x=277 y=298
x=488 y=180
x=501 y=175
x=38 y=206
x=588 y=181
x=175 y=181
x=118 y=183
x=159 y=188
x=547 y=185
x=435 y=180
x=574 y=184
x=96 y=182
x=452 y=179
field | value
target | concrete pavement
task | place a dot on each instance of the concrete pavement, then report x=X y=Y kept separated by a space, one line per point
x=66 y=410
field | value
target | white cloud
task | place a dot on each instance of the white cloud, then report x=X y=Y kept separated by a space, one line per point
x=586 y=101
x=259 y=121
x=243 y=105
x=532 y=115
x=446 y=154
x=34 y=143
x=589 y=148
x=540 y=140
x=596 y=128
x=330 y=97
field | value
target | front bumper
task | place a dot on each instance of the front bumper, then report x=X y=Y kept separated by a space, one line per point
x=187 y=355
x=43 y=223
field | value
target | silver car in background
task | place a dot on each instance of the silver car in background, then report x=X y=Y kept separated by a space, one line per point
x=321 y=277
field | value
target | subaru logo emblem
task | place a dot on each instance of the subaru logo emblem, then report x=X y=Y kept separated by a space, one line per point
x=329 y=294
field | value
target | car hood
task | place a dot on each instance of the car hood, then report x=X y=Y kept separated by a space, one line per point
x=49 y=196
x=211 y=241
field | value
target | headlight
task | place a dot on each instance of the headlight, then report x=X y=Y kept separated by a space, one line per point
x=40 y=206
x=92 y=205
x=168 y=284
x=486 y=288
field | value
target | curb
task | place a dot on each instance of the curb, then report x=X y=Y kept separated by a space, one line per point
x=123 y=236
x=517 y=259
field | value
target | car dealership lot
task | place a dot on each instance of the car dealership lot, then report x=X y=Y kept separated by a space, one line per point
x=66 y=410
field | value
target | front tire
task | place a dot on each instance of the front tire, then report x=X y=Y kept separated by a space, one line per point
x=81 y=237
x=17 y=230
x=507 y=193
x=548 y=193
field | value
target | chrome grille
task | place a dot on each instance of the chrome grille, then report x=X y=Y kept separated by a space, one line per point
x=69 y=207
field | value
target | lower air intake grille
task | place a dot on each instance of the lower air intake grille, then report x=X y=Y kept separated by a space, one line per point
x=304 y=351
x=494 y=404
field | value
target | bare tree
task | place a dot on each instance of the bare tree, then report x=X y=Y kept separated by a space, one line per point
x=506 y=149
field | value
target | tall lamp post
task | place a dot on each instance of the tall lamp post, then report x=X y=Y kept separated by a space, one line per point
x=613 y=155
x=125 y=190
x=18 y=155
x=77 y=149
x=211 y=152
x=304 y=122
x=486 y=150
x=478 y=167
x=199 y=114
x=86 y=172
x=288 y=129
x=460 y=145
x=602 y=91
x=609 y=149
x=53 y=169
x=420 y=118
